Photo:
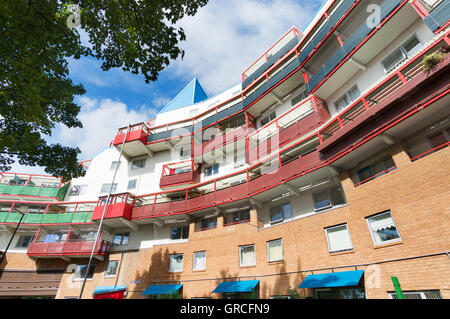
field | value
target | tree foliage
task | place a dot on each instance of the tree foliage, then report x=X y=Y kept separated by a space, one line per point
x=36 y=93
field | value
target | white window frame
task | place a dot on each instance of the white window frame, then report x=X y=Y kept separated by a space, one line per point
x=210 y=167
x=78 y=272
x=403 y=51
x=107 y=266
x=114 y=164
x=282 y=251
x=108 y=186
x=135 y=167
x=347 y=97
x=328 y=240
x=135 y=184
x=194 y=263
x=122 y=235
x=170 y=263
x=421 y=293
x=29 y=242
x=254 y=254
x=399 y=239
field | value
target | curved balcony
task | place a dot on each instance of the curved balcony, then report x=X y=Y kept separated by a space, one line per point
x=23 y=186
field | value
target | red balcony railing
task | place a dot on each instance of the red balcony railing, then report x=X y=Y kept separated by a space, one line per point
x=119 y=206
x=302 y=118
x=67 y=248
x=137 y=132
x=181 y=173
x=397 y=84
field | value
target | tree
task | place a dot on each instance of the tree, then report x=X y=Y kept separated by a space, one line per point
x=36 y=41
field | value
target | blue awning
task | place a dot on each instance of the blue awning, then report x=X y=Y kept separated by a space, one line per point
x=161 y=289
x=236 y=286
x=106 y=289
x=334 y=279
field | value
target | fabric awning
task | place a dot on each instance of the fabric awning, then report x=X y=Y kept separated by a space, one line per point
x=106 y=289
x=161 y=290
x=236 y=286
x=334 y=279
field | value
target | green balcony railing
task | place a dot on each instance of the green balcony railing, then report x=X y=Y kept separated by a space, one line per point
x=35 y=191
x=44 y=219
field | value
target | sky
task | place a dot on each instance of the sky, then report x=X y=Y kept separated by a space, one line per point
x=222 y=40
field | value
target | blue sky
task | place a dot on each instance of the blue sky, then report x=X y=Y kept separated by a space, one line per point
x=223 y=39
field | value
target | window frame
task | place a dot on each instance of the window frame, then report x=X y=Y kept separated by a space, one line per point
x=399 y=239
x=328 y=239
x=282 y=251
x=170 y=263
x=211 y=169
x=330 y=197
x=78 y=272
x=283 y=217
x=135 y=184
x=135 y=167
x=108 y=185
x=347 y=97
x=116 y=269
x=184 y=232
x=254 y=256
x=122 y=235
x=193 y=261
x=403 y=51
x=29 y=242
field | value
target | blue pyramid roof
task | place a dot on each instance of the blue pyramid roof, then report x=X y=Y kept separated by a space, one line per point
x=191 y=94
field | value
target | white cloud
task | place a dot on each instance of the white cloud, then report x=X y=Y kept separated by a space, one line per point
x=101 y=120
x=226 y=37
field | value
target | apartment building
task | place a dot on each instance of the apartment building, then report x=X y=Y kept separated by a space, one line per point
x=323 y=174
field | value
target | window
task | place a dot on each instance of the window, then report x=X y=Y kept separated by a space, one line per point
x=338 y=238
x=280 y=213
x=376 y=169
x=206 y=223
x=138 y=164
x=199 y=261
x=383 y=228
x=398 y=55
x=111 y=269
x=179 y=232
x=238 y=156
x=80 y=272
x=275 y=250
x=349 y=96
x=431 y=294
x=328 y=198
x=77 y=190
x=88 y=236
x=300 y=97
x=132 y=184
x=247 y=256
x=268 y=118
x=212 y=170
x=121 y=239
x=237 y=217
x=185 y=151
x=24 y=241
x=106 y=187
x=176 y=263
x=114 y=164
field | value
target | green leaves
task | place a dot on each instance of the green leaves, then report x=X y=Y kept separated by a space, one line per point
x=36 y=92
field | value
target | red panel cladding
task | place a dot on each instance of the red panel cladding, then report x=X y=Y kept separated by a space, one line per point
x=119 y=210
x=162 y=209
x=138 y=135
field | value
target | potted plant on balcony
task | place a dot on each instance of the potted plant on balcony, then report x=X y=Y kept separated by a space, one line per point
x=431 y=60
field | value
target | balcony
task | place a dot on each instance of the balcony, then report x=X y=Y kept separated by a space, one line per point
x=291 y=63
x=302 y=118
x=276 y=52
x=134 y=138
x=374 y=103
x=226 y=132
x=68 y=249
x=178 y=174
x=361 y=47
x=23 y=186
x=439 y=13
x=119 y=206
